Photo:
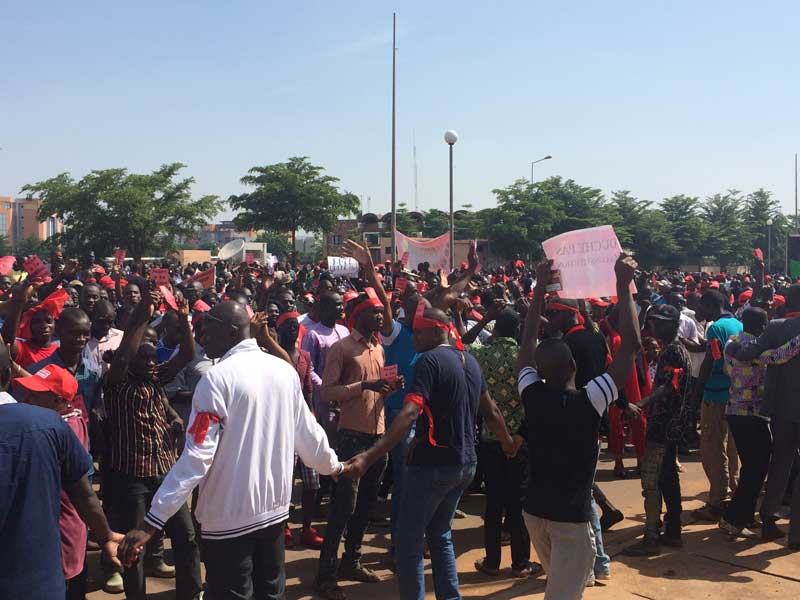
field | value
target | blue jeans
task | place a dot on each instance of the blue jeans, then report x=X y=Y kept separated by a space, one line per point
x=398 y=454
x=430 y=499
x=602 y=561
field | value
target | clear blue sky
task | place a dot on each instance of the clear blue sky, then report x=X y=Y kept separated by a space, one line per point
x=659 y=98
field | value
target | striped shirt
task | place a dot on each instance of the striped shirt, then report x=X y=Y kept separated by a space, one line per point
x=140 y=443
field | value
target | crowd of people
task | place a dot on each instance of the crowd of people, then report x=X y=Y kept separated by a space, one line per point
x=143 y=400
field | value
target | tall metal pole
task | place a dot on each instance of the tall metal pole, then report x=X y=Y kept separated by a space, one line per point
x=796 y=222
x=532 y=173
x=394 y=139
x=452 y=222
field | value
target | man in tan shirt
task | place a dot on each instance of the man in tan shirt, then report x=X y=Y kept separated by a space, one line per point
x=352 y=379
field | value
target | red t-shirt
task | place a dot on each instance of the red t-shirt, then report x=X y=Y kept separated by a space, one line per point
x=73 y=530
x=29 y=353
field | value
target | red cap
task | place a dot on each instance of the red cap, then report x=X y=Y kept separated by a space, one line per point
x=745 y=296
x=720 y=277
x=598 y=302
x=688 y=278
x=767 y=277
x=51 y=378
x=714 y=284
x=779 y=300
x=100 y=270
x=107 y=282
x=463 y=266
x=350 y=295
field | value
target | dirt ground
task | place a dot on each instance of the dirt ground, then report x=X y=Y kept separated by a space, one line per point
x=709 y=566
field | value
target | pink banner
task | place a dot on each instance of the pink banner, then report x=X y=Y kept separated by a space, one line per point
x=585 y=259
x=435 y=251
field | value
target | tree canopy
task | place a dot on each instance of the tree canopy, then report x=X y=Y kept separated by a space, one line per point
x=289 y=196
x=114 y=208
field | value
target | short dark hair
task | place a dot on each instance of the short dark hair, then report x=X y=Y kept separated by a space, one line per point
x=754 y=319
x=714 y=298
x=507 y=323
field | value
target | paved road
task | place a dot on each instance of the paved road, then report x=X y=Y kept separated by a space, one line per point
x=709 y=565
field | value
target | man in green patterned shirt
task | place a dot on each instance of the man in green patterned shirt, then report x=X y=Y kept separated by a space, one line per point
x=505 y=478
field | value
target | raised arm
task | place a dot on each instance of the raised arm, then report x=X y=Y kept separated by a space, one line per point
x=530 y=335
x=16 y=305
x=631 y=341
x=186 y=353
x=132 y=339
x=364 y=258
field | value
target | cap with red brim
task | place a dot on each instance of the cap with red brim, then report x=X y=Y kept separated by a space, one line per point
x=51 y=378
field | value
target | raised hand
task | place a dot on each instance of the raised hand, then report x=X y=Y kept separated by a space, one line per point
x=472 y=257
x=625 y=268
x=360 y=253
x=544 y=272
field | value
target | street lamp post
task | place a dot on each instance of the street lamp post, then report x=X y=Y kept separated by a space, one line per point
x=451 y=137
x=548 y=157
x=769 y=245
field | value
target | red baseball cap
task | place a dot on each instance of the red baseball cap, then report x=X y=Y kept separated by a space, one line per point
x=51 y=378
x=598 y=302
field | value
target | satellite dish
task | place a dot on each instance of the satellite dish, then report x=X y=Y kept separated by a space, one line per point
x=231 y=249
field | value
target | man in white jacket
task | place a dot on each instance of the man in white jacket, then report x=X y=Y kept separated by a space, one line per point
x=248 y=419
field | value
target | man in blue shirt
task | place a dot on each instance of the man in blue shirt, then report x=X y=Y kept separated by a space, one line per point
x=448 y=389
x=40 y=455
x=717 y=450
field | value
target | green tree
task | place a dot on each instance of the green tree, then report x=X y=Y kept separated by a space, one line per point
x=641 y=228
x=210 y=246
x=5 y=246
x=289 y=196
x=435 y=223
x=277 y=244
x=405 y=222
x=728 y=240
x=686 y=228
x=30 y=245
x=111 y=207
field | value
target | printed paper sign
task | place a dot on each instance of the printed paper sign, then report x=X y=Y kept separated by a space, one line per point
x=7 y=264
x=119 y=254
x=206 y=278
x=160 y=276
x=343 y=266
x=249 y=258
x=404 y=258
x=36 y=268
x=389 y=373
x=585 y=259
x=169 y=298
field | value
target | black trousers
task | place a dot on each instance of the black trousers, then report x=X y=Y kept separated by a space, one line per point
x=353 y=501
x=506 y=481
x=76 y=587
x=754 y=445
x=248 y=567
x=130 y=498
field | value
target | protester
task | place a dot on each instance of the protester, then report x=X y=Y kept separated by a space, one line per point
x=257 y=400
x=506 y=479
x=717 y=448
x=141 y=448
x=782 y=388
x=43 y=466
x=450 y=390
x=667 y=421
x=561 y=426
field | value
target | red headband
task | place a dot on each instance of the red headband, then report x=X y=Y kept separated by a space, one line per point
x=285 y=317
x=371 y=301
x=53 y=304
x=565 y=307
x=423 y=322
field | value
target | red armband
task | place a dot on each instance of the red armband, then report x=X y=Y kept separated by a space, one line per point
x=716 y=352
x=415 y=399
x=202 y=422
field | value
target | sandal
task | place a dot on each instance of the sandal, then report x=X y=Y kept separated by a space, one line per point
x=329 y=589
x=480 y=565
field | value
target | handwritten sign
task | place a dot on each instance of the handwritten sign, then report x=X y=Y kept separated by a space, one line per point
x=6 y=264
x=389 y=373
x=343 y=266
x=206 y=278
x=160 y=276
x=36 y=268
x=585 y=259
x=119 y=254
x=169 y=298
